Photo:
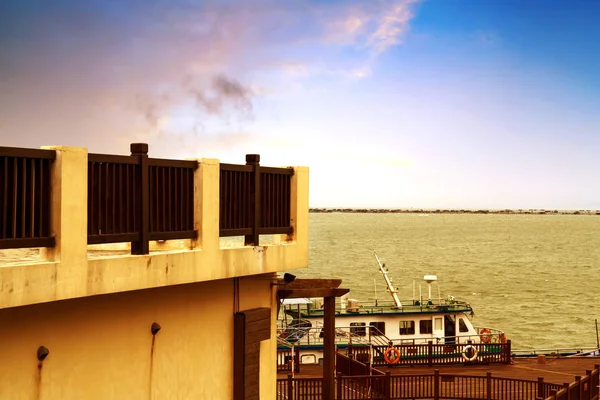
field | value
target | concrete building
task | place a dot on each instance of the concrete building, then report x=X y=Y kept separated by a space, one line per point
x=173 y=309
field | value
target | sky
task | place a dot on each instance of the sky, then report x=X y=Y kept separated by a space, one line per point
x=390 y=103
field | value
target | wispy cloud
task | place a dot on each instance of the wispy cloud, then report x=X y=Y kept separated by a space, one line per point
x=93 y=74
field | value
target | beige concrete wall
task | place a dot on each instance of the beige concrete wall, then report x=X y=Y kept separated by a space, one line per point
x=101 y=347
x=69 y=272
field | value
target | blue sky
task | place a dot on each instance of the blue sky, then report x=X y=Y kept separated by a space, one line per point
x=396 y=104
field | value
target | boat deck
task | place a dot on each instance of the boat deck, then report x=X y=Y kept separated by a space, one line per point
x=554 y=370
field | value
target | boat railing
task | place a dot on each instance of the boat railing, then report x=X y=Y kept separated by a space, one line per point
x=484 y=335
x=380 y=306
x=351 y=335
x=558 y=352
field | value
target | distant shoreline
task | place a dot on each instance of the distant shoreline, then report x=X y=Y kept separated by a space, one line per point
x=530 y=211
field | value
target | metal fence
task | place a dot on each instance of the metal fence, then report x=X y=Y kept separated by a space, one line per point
x=139 y=199
x=25 y=197
x=254 y=200
x=436 y=354
x=439 y=386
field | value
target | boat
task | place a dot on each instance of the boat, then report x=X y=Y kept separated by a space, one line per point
x=389 y=330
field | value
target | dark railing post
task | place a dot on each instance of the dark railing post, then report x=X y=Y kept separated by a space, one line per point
x=338 y=379
x=290 y=387
x=540 y=388
x=430 y=353
x=142 y=245
x=436 y=385
x=388 y=386
x=579 y=388
x=488 y=385
x=254 y=206
x=508 y=352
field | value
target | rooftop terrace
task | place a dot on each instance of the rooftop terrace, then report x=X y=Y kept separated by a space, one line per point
x=76 y=224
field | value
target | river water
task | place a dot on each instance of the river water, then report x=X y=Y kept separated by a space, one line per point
x=533 y=276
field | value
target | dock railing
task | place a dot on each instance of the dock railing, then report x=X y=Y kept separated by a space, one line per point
x=436 y=386
x=137 y=199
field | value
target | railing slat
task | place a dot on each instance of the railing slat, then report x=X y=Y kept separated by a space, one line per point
x=25 y=197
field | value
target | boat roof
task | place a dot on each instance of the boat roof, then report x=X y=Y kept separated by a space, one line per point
x=384 y=310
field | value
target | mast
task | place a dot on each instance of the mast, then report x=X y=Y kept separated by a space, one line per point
x=388 y=281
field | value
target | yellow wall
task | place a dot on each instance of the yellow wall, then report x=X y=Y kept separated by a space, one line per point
x=100 y=347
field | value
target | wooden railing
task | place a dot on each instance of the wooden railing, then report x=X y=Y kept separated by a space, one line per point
x=25 y=198
x=254 y=200
x=284 y=360
x=436 y=354
x=583 y=388
x=439 y=386
x=349 y=366
x=137 y=199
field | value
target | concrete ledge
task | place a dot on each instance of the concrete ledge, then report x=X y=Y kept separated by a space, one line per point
x=113 y=271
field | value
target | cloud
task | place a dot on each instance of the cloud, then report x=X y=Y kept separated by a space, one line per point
x=391 y=26
x=97 y=74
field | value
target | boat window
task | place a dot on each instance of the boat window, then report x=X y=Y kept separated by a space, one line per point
x=425 y=326
x=358 y=328
x=438 y=324
x=377 y=328
x=462 y=327
x=407 y=327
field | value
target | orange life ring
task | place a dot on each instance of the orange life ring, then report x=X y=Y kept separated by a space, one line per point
x=485 y=335
x=473 y=357
x=386 y=355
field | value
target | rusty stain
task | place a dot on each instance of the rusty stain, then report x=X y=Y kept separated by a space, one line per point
x=148 y=262
x=38 y=381
x=167 y=269
x=151 y=367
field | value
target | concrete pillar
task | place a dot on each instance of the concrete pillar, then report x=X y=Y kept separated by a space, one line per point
x=206 y=205
x=69 y=176
x=299 y=206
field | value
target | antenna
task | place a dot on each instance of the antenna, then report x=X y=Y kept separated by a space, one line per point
x=429 y=279
x=388 y=281
x=375 y=286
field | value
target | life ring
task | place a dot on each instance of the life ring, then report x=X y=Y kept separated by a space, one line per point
x=485 y=335
x=386 y=355
x=464 y=353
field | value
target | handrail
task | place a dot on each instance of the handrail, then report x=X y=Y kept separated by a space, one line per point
x=426 y=386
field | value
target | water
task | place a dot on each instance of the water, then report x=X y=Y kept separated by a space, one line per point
x=533 y=276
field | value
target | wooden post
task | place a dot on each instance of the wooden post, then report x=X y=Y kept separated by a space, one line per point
x=254 y=206
x=290 y=387
x=578 y=385
x=339 y=385
x=566 y=389
x=329 y=348
x=508 y=351
x=436 y=385
x=388 y=386
x=488 y=385
x=350 y=355
x=592 y=383
x=540 y=388
x=142 y=245
x=430 y=353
